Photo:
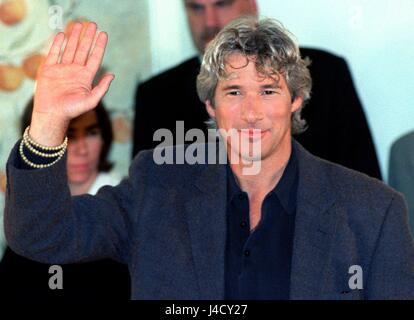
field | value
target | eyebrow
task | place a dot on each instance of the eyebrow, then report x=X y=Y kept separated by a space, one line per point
x=93 y=126
x=215 y=3
x=274 y=85
x=226 y=2
x=193 y=3
x=90 y=127
x=231 y=87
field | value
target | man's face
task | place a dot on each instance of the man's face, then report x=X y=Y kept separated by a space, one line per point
x=207 y=17
x=258 y=107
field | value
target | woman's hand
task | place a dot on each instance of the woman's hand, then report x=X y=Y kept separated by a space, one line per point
x=64 y=84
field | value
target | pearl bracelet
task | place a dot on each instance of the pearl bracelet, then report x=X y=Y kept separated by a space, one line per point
x=34 y=165
x=27 y=138
x=42 y=154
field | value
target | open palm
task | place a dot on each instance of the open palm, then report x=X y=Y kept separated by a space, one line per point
x=64 y=83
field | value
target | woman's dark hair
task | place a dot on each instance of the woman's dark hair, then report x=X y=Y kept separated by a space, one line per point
x=107 y=136
x=104 y=123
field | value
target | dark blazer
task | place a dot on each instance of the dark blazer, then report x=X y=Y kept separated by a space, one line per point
x=401 y=170
x=338 y=130
x=168 y=223
x=22 y=279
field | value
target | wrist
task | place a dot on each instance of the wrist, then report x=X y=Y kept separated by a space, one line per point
x=47 y=131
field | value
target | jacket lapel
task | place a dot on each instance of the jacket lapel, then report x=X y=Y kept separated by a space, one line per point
x=316 y=221
x=206 y=216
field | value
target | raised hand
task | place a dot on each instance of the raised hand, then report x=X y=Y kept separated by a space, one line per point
x=64 y=83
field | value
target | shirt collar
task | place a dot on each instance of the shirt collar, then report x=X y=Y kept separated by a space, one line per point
x=285 y=190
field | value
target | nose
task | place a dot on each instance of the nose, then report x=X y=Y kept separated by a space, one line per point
x=251 y=110
x=211 y=17
x=80 y=146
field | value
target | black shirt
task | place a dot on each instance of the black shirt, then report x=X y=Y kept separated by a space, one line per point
x=258 y=263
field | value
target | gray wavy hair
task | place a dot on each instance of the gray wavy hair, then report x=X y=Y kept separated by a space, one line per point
x=275 y=54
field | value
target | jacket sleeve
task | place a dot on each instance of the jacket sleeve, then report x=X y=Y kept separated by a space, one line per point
x=392 y=268
x=44 y=223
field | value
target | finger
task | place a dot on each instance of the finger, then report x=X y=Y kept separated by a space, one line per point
x=72 y=44
x=99 y=91
x=96 y=57
x=85 y=45
x=55 y=49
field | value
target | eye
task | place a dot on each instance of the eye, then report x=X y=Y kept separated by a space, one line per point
x=93 y=132
x=268 y=92
x=195 y=7
x=234 y=93
x=224 y=3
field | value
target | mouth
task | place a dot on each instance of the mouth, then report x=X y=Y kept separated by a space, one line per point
x=253 y=135
x=79 y=167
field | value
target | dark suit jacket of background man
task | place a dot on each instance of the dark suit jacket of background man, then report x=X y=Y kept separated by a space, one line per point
x=338 y=130
x=168 y=223
x=401 y=170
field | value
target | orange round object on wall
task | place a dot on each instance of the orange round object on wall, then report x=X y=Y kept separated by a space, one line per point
x=11 y=77
x=70 y=24
x=3 y=182
x=12 y=11
x=122 y=130
x=31 y=64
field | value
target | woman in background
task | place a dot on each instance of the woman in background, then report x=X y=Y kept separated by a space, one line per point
x=89 y=141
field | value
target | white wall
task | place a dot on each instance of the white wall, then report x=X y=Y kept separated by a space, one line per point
x=170 y=39
x=376 y=37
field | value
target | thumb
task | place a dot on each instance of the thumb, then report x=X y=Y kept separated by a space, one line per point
x=99 y=91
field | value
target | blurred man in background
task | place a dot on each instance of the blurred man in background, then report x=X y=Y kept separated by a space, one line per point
x=401 y=170
x=337 y=127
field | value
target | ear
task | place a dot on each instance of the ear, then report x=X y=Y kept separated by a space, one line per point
x=296 y=104
x=210 y=109
x=254 y=7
